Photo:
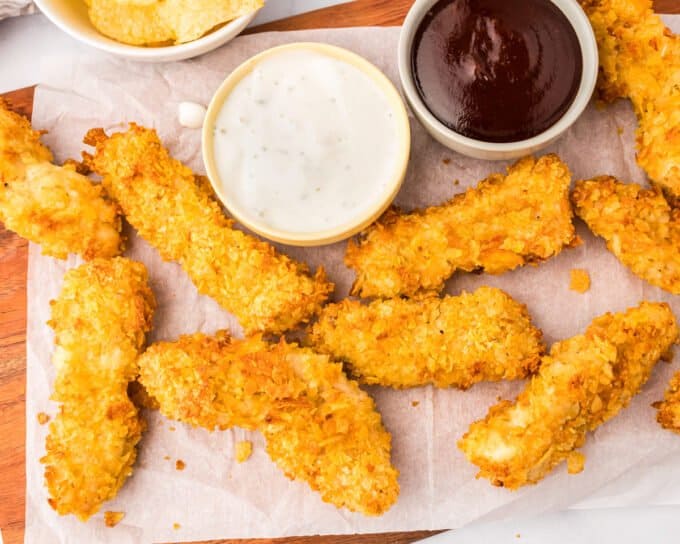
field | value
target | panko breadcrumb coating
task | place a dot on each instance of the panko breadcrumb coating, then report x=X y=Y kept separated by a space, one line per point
x=164 y=22
x=449 y=342
x=319 y=426
x=585 y=381
x=172 y=210
x=507 y=221
x=100 y=319
x=639 y=226
x=669 y=408
x=53 y=206
x=640 y=59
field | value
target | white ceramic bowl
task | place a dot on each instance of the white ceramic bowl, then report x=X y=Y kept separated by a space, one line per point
x=506 y=150
x=356 y=224
x=71 y=17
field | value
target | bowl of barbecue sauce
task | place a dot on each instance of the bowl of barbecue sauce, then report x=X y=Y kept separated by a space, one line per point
x=497 y=79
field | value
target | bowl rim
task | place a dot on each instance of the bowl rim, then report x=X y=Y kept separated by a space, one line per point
x=357 y=223
x=590 y=66
x=201 y=45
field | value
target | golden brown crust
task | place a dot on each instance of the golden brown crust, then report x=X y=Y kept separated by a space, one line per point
x=100 y=319
x=640 y=60
x=319 y=426
x=585 y=381
x=639 y=226
x=53 y=206
x=505 y=222
x=164 y=22
x=448 y=342
x=162 y=199
x=669 y=409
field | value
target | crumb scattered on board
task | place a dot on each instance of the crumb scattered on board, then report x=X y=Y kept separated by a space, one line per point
x=176 y=526
x=179 y=464
x=580 y=280
x=415 y=403
x=171 y=428
x=456 y=182
x=244 y=450
x=166 y=457
x=43 y=418
x=619 y=130
x=446 y=161
x=111 y=519
x=575 y=462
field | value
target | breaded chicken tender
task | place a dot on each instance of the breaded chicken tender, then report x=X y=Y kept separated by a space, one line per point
x=164 y=22
x=449 y=342
x=172 y=210
x=669 y=408
x=505 y=222
x=640 y=59
x=53 y=206
x=100 y=319
x=639 y=226
x=585 y=381
x=319 y=426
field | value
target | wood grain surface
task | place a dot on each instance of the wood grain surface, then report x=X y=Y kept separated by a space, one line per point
x=13 y=261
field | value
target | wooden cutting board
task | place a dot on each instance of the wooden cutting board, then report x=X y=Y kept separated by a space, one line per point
x=13 y=261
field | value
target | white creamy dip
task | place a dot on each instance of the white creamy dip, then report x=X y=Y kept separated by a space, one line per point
x=306 y=142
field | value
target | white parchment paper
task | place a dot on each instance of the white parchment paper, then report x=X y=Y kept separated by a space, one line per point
x=214 y=496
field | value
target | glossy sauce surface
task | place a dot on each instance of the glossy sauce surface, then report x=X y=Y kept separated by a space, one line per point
x=497 y=70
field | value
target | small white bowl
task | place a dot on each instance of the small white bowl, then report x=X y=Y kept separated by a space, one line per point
x=72 y=18
x=507 y=150
x=341 y=232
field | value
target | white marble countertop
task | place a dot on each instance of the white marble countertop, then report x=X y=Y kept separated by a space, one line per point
x=23 y=40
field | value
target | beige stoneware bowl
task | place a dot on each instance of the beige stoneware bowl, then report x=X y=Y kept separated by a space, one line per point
x=71 y=17
x=331 y=235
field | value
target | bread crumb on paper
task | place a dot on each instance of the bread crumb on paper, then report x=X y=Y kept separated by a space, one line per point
x=580 y=280
x=244 y=450
x=415 y=403
x=111 y=519
x=575 y=462
x=180 y=465
x=43 y=418
x=166 y=457
x=172 y=429
x=446 y=161
x=176 y=526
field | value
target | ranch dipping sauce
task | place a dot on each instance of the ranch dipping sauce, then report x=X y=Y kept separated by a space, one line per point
x=306 y=142
x=496 y=70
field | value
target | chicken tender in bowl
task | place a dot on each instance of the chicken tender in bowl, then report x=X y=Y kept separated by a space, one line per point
x=164 y=22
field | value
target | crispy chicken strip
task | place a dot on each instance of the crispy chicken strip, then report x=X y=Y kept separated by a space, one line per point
x=172 y=210
x=639 y=226
x=585 y=381
x=505 y=222
x=448 y=342
x=99 y=319
x=319 y=426
x=53 y=206
x=669 y=408
x=640 y=59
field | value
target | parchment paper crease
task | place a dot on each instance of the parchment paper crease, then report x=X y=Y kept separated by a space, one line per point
x=216 y=497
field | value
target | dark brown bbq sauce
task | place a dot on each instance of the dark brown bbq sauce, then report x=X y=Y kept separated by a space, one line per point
x=496 y=70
